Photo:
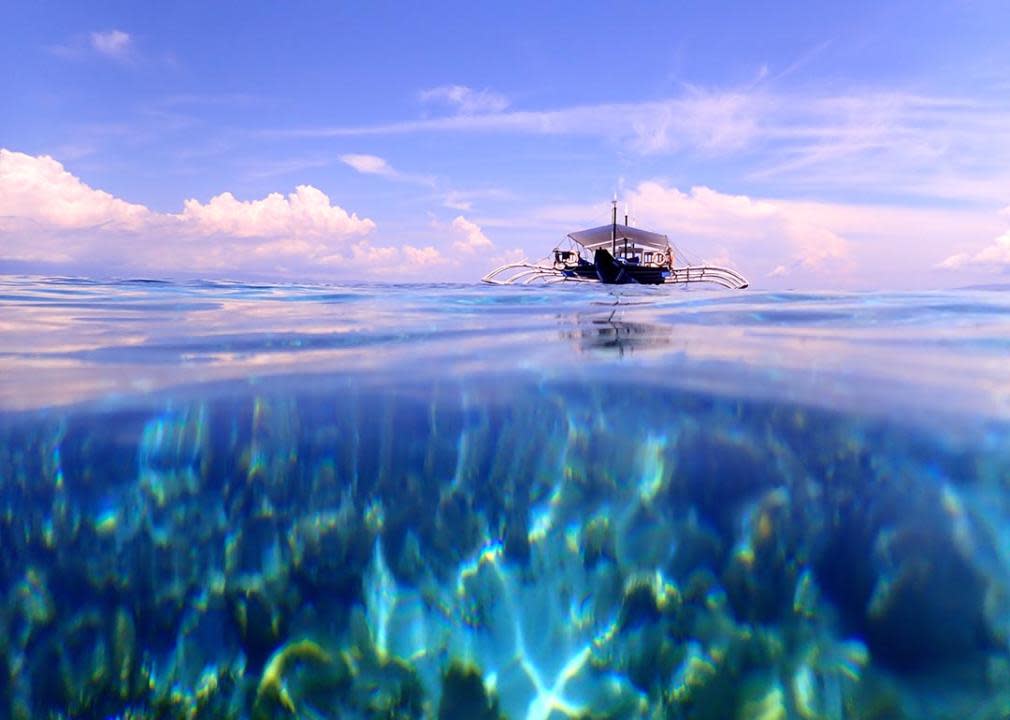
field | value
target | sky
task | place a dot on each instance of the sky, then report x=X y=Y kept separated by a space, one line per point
x=816 y=145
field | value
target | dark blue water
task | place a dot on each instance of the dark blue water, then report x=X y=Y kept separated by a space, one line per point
x=234 y=501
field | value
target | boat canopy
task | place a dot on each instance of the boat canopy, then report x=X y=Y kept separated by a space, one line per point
x=600 y=237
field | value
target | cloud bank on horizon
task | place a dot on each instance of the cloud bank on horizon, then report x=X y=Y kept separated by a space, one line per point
x=841 y=154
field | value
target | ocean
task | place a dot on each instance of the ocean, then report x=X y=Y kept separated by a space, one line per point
x=225 y=500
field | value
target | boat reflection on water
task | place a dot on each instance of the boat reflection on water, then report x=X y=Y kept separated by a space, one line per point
x=609 y=332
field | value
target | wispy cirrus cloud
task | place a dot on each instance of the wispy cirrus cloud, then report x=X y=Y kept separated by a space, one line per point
x=464 y=199
x=929 y=146
x=111 y=44
x=114 y=44
x=212 y=100
x=892 y=143
x=369 y=164
x=465 y=100
x=259 y=169
x=709 y=121
x=375 y=165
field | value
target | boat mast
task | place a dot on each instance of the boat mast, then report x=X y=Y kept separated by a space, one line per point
x=625 y=236
x=613 y=229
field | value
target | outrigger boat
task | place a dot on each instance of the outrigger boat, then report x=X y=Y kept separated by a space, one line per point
x=614 y=254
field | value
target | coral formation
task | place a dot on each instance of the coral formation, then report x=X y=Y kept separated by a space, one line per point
x=525 y=552
x=272 y=689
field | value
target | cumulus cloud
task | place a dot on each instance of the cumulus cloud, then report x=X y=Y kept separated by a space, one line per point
x=814 y=243
x=305 y=212
x=40 y=190
x=733 y=226
x=423 y=257
x=48 y=214
x=469 y=236
x=995 y=255
x=776 y=242
x=112 y=43
x=406 y=259
x=465 y=100
x=512 y=255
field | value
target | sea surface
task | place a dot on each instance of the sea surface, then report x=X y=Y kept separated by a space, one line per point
x=224 y=500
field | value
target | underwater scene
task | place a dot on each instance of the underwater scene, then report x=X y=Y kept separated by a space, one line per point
x=223 y=500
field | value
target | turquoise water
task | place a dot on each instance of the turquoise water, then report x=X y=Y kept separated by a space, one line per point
x=455 y=501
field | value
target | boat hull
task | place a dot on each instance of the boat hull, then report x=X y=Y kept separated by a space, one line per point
x=641 y=276
x=612 y=271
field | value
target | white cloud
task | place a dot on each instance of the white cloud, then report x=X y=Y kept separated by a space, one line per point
x=370 y=255
x=709 y=122
x=464 y=199
x=49 y=215
x=307 y=212
x=506 y=257
x=776 y=242
x=288 y=166
x=40 y=190
x=423 y=257
x=469 y=236
x=406 y=259
x=994 y=255
x=368 y=164
x=466 y=100
x=112 y=43
x=891 y=142
x=456 y=201
x=885 y=142
x=375 y=165
x=734 y=227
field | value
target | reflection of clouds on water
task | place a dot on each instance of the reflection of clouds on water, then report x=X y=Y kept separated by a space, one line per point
x=921 y=355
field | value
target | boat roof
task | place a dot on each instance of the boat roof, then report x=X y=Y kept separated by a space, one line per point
x=600 y=237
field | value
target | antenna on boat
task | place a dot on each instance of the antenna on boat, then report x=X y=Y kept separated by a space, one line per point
x=613 y=228
x=625 y=213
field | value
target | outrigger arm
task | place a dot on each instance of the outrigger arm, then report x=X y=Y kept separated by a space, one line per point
x=525 y=273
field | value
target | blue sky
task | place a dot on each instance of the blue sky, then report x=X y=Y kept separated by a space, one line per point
x=805 y=144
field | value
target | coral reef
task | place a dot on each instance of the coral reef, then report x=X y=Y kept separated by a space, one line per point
x=525 y=551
